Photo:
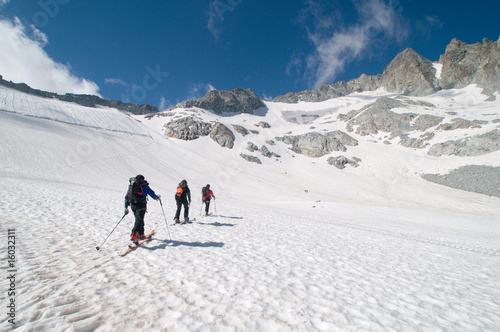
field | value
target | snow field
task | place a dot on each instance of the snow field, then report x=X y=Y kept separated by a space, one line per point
x=374 y=248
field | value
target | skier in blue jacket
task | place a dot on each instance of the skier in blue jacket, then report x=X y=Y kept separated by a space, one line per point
x=136 y=198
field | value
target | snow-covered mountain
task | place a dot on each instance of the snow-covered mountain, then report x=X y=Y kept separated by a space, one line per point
x=294 y=243
x=329 y=216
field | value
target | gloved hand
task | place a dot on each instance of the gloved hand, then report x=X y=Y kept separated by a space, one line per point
x=126 y=211
x=157 y=197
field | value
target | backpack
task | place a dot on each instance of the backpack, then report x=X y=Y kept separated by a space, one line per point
x=179 y=191
x=204 y=193
x=135 y=191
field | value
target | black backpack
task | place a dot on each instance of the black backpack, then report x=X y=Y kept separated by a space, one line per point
x=204 y=192
x=135 y=191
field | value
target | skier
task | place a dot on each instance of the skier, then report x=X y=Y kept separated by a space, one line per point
x=182 y=198
x=206 y=195
x=136 y=198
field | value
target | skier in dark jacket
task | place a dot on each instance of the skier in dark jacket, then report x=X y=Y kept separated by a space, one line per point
x=136 y=198
x=206 y=195
x=182 y=198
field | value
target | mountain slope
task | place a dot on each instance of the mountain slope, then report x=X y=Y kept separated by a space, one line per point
x=294 y=243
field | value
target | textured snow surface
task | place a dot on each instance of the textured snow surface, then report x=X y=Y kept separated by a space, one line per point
x=360 y=250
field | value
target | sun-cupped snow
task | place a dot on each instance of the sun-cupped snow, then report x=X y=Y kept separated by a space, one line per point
x=292 y=244
x=53 y=109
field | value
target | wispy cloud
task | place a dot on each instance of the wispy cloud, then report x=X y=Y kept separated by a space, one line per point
x=164 y=104
x=115 y=81
x=216 y=11
x=199 y=90
x=3 y=3
x=336 y=43
x=23 y=59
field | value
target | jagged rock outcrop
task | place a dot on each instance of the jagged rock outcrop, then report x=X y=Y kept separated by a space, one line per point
x=266 y=153
x=341 y=161
x=252 y=147
x=470 y=146
x=252 y=159
x=222 y=135
x=221 y=101
x=187 y=128
x=263 y=124
x=240 y=129
x=378 y=116
x=458 y=123
x=465 y=64
x=410 y=74
x=315 y=145
x=84 y=100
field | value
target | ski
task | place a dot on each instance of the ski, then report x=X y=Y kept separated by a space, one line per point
x=184 y=222
x=132 y=247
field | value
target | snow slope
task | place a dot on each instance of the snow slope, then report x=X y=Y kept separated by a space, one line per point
x=373 y=248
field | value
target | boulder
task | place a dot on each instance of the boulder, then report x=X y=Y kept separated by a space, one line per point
x=222 y=135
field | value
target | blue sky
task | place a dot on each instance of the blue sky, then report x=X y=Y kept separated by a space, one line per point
x=164 y=52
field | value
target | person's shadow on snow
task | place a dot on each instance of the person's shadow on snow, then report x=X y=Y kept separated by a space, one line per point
x=167 y=243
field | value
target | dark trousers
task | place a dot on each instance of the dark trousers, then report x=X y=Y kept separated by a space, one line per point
x=139 y=210
x=186 y=210
x=207 y=206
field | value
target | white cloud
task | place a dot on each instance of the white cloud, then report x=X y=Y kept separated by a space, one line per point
x=3 y=3
x=115 y=81
x=216 y=12
x=199 y=90
x=337 y=44
x=164 y=104
x=23 y=59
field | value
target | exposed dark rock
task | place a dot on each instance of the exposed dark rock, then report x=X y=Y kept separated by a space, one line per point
x=315 y=145
x=266 y=153
x=240 y=129
x=410 y=74
x=465 y=64
x=377 y=117
x=263 y=124
x=222 y=135
x=252 y=147
x=340 y=162
x=252 y=159
x=187 y=128
x=234 y=101
x=470 y=146
x=459 y=123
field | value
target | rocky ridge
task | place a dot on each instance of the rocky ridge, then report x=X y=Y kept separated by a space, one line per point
x=220 y=101
x=411 y=74
x=84 y=100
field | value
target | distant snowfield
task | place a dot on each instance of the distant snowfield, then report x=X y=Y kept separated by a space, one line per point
x=293 y=245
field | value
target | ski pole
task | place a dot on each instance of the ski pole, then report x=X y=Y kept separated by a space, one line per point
x=201 y=208
x=111 y=232
x=166 y=223
x=215 y=206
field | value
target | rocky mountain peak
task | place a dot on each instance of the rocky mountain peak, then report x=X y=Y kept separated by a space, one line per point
x=411 y=74
x=238 y=100
x=465 y=64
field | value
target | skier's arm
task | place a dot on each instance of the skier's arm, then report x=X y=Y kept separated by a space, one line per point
x=151 y=193
x=127 y=203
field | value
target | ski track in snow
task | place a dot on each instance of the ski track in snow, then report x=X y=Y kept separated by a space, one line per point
x=241 y=270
